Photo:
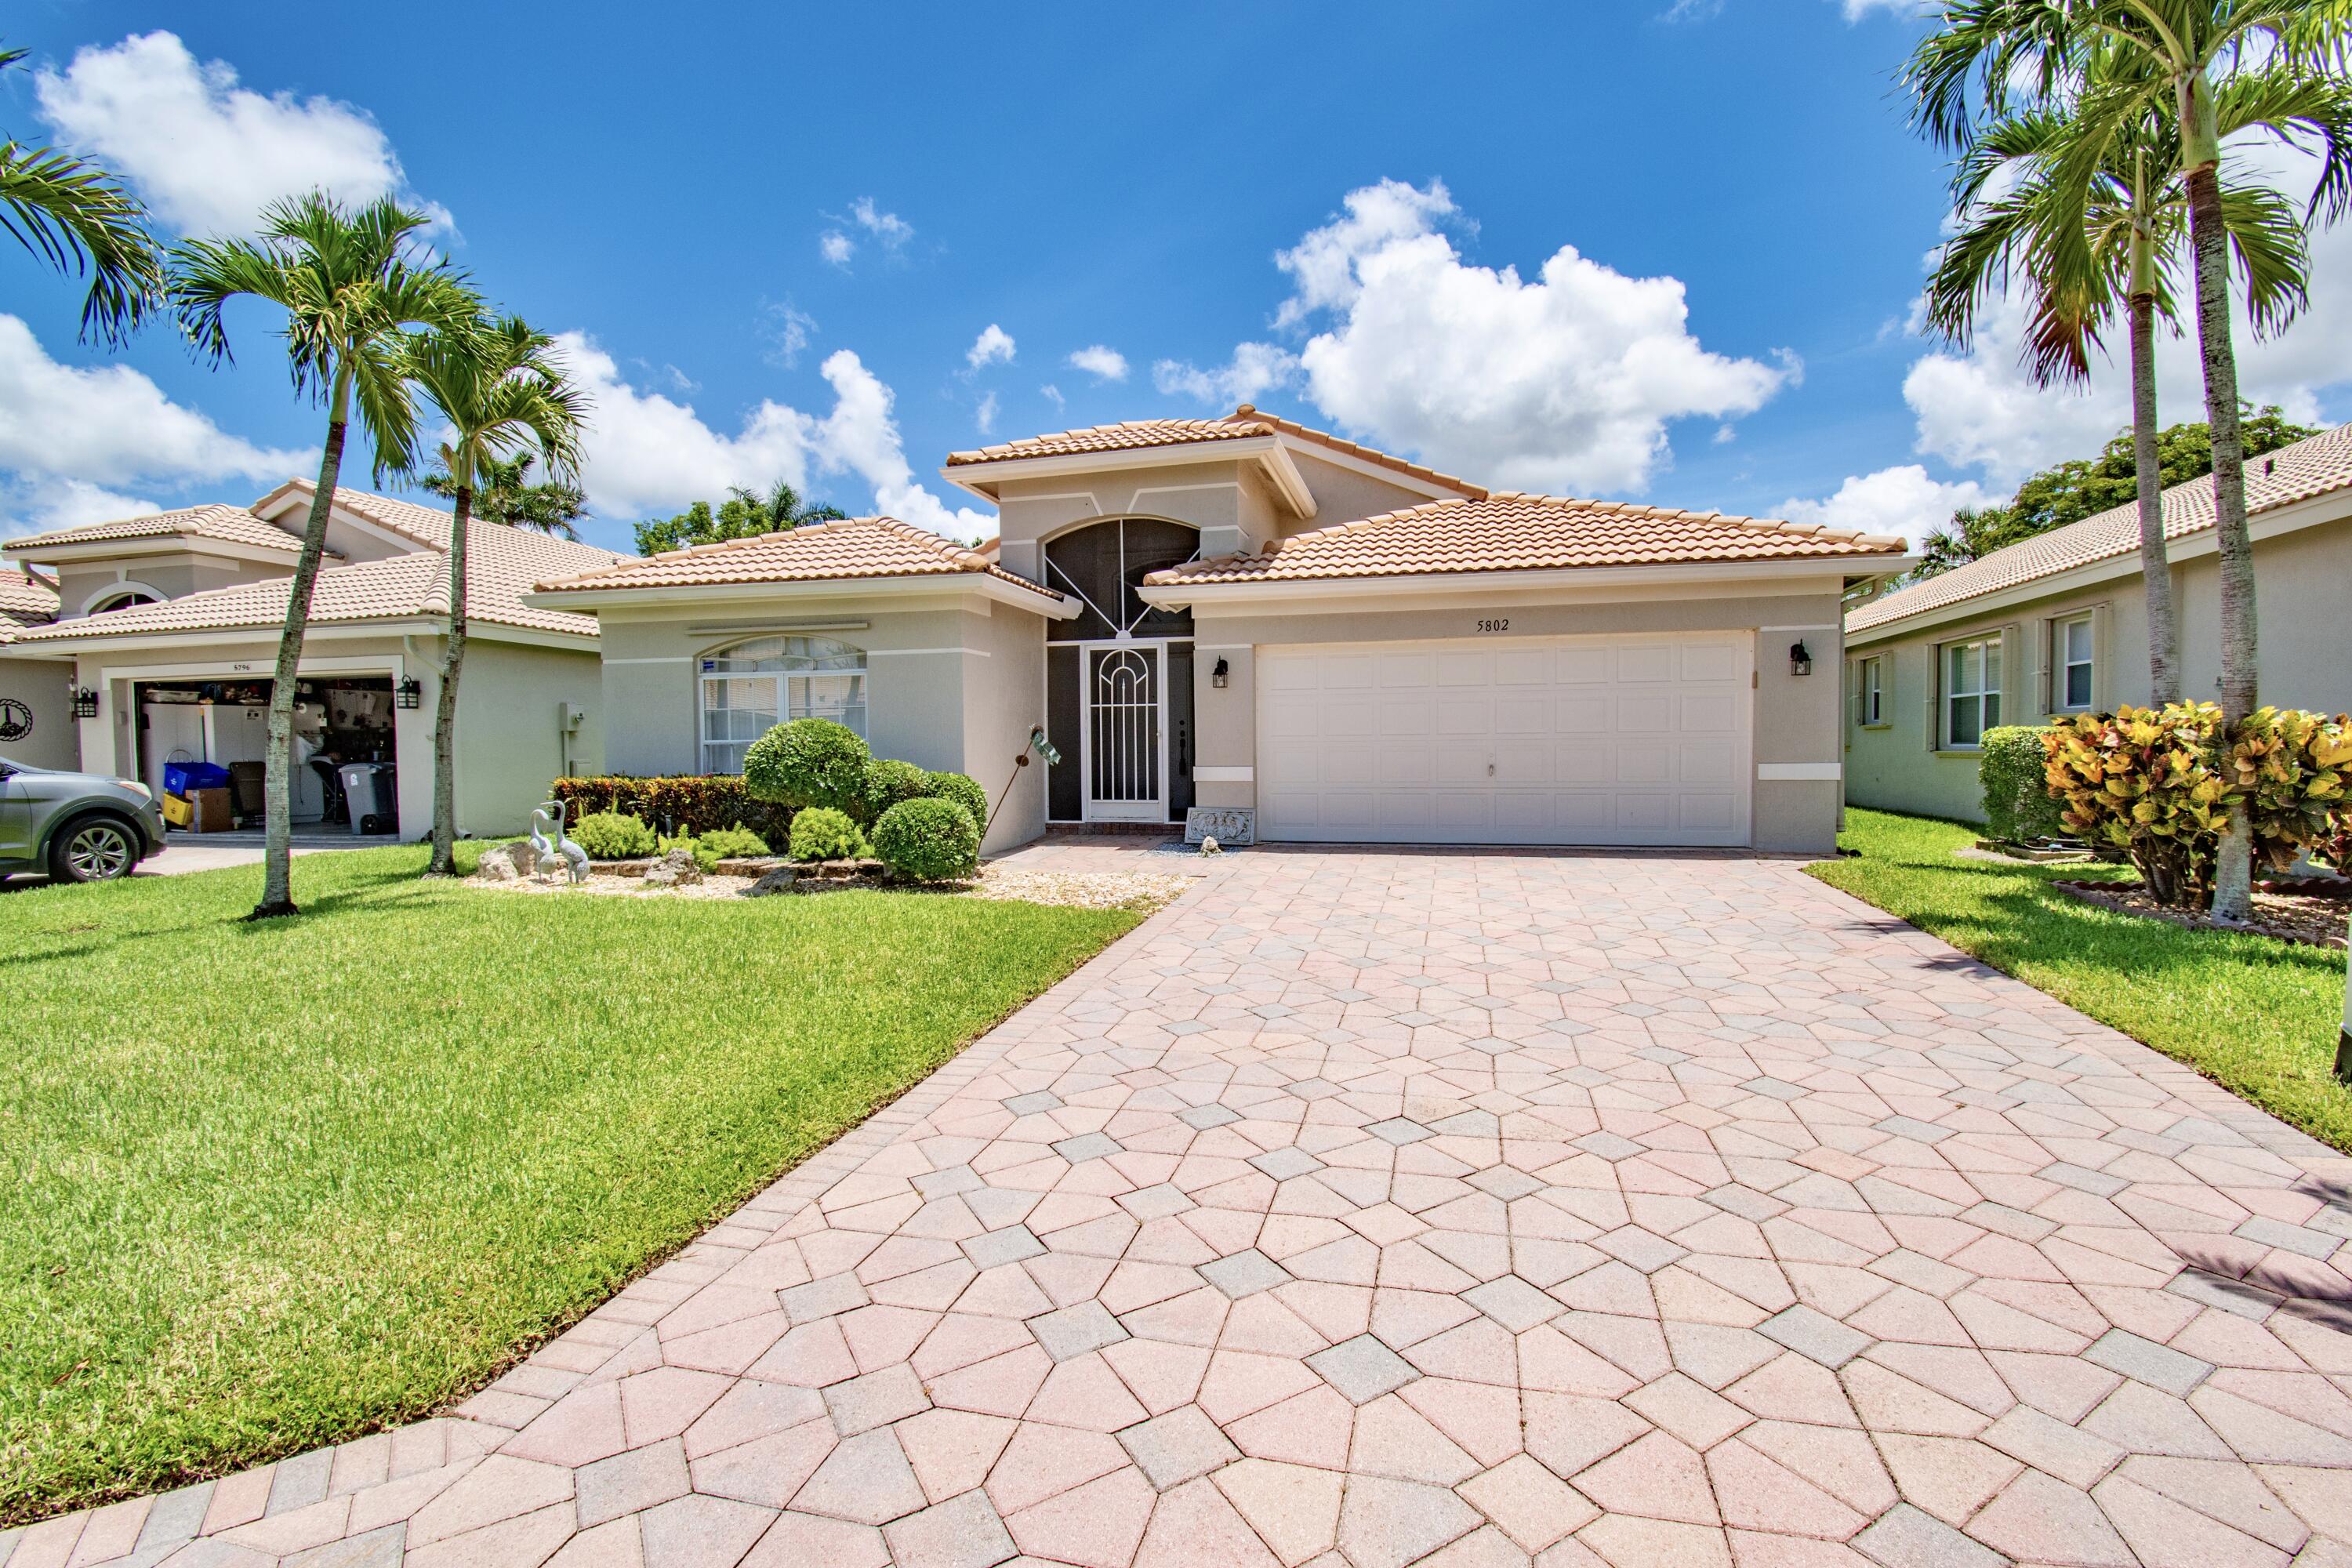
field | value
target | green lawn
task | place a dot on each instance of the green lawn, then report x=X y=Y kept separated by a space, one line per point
x=2257 y=1016
x=265 y=1187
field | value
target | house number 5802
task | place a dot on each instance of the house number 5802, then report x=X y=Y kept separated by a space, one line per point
x=1503 y=624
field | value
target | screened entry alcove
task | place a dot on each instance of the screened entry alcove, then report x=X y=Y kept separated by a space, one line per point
x=748 y=686
x=1118 y=676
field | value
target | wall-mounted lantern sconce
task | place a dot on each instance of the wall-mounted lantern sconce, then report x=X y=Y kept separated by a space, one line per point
x=409 y=694
x=1800 y=660
x=85 y=703
x=1217 y=676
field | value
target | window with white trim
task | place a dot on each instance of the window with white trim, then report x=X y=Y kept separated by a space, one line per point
x=2070 y=665
x=1870 y=691
x=1971 y=691
x=748 y=688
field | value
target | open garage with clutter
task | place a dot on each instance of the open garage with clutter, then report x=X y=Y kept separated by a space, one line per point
x=202 y=745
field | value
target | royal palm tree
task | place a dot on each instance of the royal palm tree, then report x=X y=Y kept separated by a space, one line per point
x=502 y=388
x=2089 y=216
x=355 y=286
x=78 y=217
x=2181 y=54
x=507 y=494
x=783 y=507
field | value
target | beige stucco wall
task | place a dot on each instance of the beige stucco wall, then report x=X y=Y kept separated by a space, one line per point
x=44 y=686
x=2301 y=578
x=510 y=743
x=954 y=683
x=1796 y=719
x=168 y=576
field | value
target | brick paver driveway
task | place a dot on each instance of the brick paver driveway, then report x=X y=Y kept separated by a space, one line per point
x=1452 y=1209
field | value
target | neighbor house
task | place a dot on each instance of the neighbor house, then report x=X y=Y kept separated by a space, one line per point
x=2057 y=624
x=36 y=723
x=1244 y=613
x=162 y=645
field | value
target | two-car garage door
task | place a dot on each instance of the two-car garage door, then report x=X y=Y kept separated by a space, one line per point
x=1631 y=740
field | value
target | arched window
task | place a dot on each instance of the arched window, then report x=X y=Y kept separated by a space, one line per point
x=751 y=686
x=121 y=601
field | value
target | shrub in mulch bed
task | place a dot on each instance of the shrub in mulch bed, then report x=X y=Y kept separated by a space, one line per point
x=2316 y=917
x=688 y=803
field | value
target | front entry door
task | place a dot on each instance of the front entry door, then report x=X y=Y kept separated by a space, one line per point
x=1125 y=768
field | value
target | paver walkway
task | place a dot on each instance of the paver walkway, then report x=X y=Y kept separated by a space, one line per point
x=1369 y=1209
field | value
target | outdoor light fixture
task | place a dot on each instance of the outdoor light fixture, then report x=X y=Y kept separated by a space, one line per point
x=1800 y=660
x=409 y=693
x=85 y=703
x=1217 y=676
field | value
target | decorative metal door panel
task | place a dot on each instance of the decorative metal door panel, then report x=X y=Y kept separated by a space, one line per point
x=1125 y=767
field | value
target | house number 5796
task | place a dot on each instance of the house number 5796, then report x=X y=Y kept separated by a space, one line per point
x=1501 y=625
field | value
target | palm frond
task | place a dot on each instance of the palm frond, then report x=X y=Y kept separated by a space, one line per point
x=78 y=218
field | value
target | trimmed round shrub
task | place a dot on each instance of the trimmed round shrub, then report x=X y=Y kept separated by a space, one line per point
x=932 y=840
x=609 y=836
x=889 y=781
x=821 y=832
x=966 y=793
x=809 y=761
x=735 y=843
x=2013 y=774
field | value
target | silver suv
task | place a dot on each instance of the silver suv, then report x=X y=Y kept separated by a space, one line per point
x=78 y=828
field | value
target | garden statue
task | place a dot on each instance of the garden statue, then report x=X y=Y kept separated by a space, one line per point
x=547 y=839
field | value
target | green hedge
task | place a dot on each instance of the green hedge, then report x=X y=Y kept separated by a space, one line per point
x=809 y=761
x=932 y=840
x=2012 y=772
x=692 y=803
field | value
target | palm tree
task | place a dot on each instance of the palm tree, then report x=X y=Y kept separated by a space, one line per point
x=2088 y=211
x=507 y=494
x=501 y=387
x=783 y=507
x=76 y=216
x=2186 y=54
x=355 y=285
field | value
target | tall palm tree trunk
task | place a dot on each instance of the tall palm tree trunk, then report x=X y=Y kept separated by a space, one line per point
x=2163 y=638
x=445 y=718
x=278 y=767
x=2209 y=243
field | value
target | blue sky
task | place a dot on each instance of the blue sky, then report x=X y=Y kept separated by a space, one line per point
x=1643 y=250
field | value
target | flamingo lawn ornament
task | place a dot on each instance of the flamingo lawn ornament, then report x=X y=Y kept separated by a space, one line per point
x=547 y=839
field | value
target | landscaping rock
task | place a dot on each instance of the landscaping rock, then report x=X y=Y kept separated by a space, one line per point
x=778 y=880
x=524 y=856
x=497 y=866
x=675 y=870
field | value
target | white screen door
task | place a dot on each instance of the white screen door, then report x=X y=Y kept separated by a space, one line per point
x=1123 y=765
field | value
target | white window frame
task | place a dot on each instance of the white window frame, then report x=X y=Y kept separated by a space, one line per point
x=1951 y=659
x=1870 y=692
x=2061 y=665
x=789 y=676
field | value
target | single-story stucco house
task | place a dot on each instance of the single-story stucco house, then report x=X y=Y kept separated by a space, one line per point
x=164 y=635
x=36 y=722
x=1244 y=613
x=2058 y=623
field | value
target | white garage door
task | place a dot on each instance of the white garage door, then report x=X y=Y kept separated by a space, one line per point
x=1570 y=740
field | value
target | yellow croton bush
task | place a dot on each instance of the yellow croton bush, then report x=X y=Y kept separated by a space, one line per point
x=2145 y=780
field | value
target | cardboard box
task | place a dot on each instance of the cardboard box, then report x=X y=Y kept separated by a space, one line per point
x=177 y=811
x=212 y=809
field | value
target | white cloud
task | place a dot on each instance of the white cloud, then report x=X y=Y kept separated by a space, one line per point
x=208 y=153
x=891 y=229
x=1856 y=10
x=1101 y=361
x=1254 y=370
x=646 y=453
x=1566 y=383
x=993 y=346
x=835 y=246
x=37 y=506
x=1901 y=500
x=1052 y=395
x=788 y=331
x=984 y=416
x=109 y=424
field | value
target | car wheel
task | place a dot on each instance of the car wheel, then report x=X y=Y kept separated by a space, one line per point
x=93 y=850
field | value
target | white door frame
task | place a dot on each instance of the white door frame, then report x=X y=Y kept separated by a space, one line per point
x=1089 y=808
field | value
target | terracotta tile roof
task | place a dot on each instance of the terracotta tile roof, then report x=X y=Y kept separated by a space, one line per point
x=2310 y=468
x=228 y=524
x=502 y=564
x=26 y=600
x=855 y=547
x=1510 y=531
x=1244 y=421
